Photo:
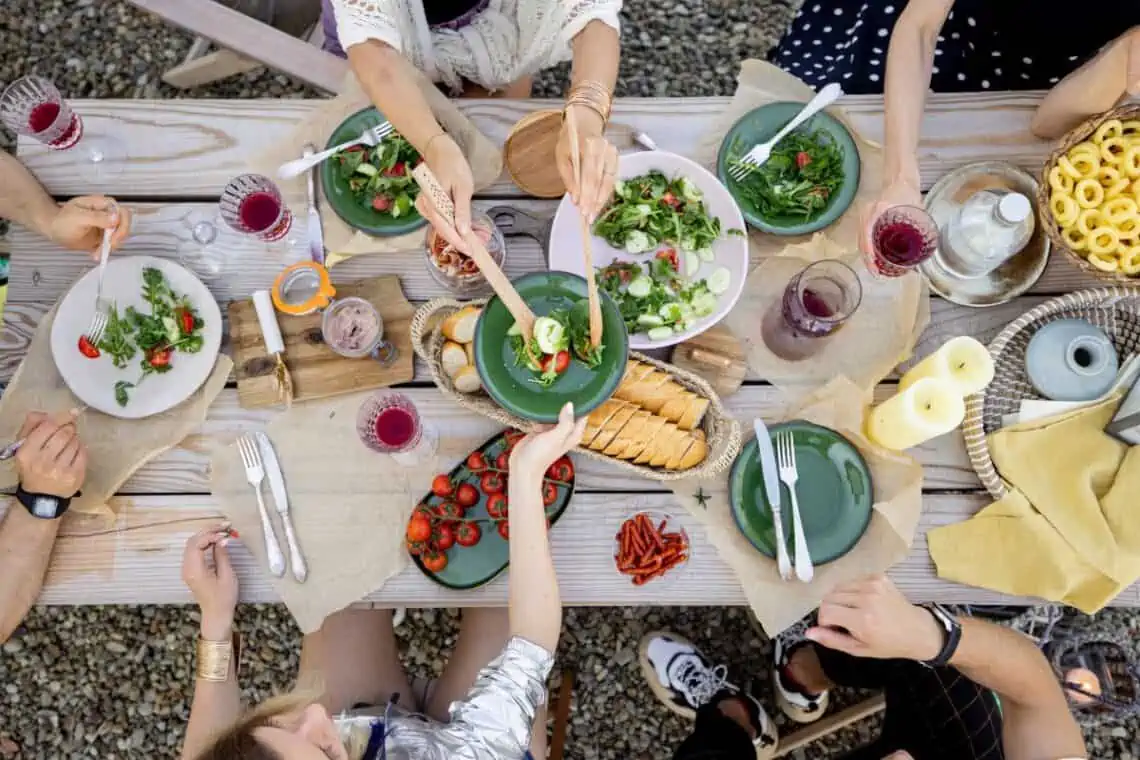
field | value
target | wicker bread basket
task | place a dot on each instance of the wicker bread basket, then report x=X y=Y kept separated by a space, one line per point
x=1116 y=310
x=721 y=430
x=1044 y=191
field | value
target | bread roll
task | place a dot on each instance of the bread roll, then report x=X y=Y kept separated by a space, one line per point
x=453 y=358
x=470 y=348
x=460 y=326
x=467 y=380
x=613 y=427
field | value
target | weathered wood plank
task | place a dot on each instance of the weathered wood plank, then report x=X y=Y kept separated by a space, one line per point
x=188 y=148
x=136 y=561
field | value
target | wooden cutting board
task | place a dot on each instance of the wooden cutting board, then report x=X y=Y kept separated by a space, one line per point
x=717 y=356
x=317 y=371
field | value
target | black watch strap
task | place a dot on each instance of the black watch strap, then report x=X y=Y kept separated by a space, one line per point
x=952 y=630
x=43 y=506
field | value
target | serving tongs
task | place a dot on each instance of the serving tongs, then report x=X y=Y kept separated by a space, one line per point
x=587 y=248
x=498 y=281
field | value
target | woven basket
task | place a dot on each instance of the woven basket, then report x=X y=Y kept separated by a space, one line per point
x=1078 y=135
x=1106 y=655
x=721 y=430
x=1115 y=310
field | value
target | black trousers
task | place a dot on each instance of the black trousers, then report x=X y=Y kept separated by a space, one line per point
x=934 y=714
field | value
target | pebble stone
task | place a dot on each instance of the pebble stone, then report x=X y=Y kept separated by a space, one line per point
x=115 y=681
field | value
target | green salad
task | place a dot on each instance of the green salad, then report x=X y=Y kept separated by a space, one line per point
x=657 y=299
x=380 y=178
x=558 y=338
x=171 y=325
x=797 y=181
x=652 y=210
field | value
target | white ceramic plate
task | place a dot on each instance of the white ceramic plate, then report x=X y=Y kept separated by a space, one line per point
x=731 y=251
x=93 y=380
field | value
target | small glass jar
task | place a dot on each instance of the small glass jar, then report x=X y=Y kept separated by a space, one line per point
x=352 y=327
x=457 y=271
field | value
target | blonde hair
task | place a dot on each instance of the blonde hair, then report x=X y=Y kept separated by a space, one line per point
x=238 y=742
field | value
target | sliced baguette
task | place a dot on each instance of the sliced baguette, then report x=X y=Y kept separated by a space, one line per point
x=660 y=396
x=467 y=380
x=674 y=408
x=694 y=413
x=647 y=435
x=460 y=326
x=453 y=358
x=665 y=444
x=613 y=427
x=696 y=454
x=598 y=418
x=628 y=434
x=681 y=446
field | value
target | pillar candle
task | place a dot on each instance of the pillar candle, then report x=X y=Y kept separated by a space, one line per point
x=930 y=407
x=963 y=361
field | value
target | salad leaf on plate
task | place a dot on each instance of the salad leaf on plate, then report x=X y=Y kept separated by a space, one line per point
x=799 y=180
x=652 y=210
x=380 y=178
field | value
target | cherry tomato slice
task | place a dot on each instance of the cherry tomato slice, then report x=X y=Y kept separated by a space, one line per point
x=87 y=348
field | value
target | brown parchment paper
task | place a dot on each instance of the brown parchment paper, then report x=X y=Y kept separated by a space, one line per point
x=898 y=309
x=116 y=448
x=349 y=505
x=897 y=478
x=341 y=240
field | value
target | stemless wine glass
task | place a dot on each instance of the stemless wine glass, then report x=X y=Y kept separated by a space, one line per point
x=389 y=423
x=902 y=237
x=816 y=303
x=33 y=107
x=252 y=205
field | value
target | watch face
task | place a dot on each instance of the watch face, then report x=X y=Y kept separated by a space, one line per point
x=45 y=507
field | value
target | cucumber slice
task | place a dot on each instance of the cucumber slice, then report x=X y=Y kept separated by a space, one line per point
x=719 y=281
x=640 y=287
x=368 y=170
x=704 y=304
x=692 y=264
x=650 y=320
x=550 y=335
x=706 y=254
x=660 y=333
x=670 y=312
x=514 y=330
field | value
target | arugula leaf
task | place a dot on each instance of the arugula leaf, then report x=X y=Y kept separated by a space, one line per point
x=652 y=210
x=121 y=392
x=116 y=341
x=798 y=181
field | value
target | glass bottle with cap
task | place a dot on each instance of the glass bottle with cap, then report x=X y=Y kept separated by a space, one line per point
x=990 y=228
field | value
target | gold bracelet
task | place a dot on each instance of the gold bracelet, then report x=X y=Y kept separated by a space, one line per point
x=593 y=95
x=215 y=658
x=587 y=104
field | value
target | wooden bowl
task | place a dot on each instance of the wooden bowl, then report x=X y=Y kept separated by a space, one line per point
x=1075 y=136
x=529 y=154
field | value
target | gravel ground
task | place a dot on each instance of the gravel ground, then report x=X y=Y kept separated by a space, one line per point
x=114 y=682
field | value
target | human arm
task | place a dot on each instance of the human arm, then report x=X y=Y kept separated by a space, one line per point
x=597 y=49
x=77 y=224
x=206 y=569
x=52 y=461
x=871 y=618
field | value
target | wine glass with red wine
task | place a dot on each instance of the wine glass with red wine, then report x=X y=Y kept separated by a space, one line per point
x=252 y=205
x=33 y=107
x=389 y=423
x=902 y=237
x=817 y=302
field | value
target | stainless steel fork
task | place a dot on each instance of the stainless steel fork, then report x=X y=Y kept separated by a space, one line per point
x=255 y=474
x=786 y=458
x=370 y=137
x=99 y=319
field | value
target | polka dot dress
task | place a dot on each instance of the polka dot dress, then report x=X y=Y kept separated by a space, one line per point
x=984 y=44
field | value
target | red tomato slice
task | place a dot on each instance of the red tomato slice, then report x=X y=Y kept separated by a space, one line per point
x=87 y=348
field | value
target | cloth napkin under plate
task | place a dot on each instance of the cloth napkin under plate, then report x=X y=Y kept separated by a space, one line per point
x=1069 y=528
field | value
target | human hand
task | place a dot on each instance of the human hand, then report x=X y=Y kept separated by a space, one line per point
x=446 y=160
x=207 y=571
x=599 y=163
x=80 y=223
x=52 y=460
x=537 y=451
x=900 y=192
x=871 y=618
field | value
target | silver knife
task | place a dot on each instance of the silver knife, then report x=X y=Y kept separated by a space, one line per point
x=316 y=234
x=767 y=456
x=281 y=501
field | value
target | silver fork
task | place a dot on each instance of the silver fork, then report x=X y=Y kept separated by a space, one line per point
x=99 y=319
x=255 y=474
x=370 y=137
x=761 y=153
x=786 y=458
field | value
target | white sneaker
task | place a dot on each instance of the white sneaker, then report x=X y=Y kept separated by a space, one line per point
x=685 y=680
x=798 y=704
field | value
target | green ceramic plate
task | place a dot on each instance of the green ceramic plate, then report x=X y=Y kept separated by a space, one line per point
x=759 y=126
x=472 y=566
x=512 y=386
x=834 y=490
x=346 y=206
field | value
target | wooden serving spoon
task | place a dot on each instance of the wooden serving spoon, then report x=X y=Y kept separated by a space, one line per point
x=495 y=276
x=587 y=248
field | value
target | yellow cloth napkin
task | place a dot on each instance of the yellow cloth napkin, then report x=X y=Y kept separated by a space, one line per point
x=1069 y=528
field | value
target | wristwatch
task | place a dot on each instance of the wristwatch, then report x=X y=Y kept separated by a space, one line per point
x=952 y=629
x=41 y=505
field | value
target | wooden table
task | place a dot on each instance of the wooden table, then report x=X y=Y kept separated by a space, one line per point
x=184 y=151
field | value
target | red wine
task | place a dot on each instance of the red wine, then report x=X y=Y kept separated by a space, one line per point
x=901 y=243
x=43 y=116
x=258 y=211
x=816 y=304
x=395 y=427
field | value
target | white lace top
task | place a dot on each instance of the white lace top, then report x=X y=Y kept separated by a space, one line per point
x=509 y=40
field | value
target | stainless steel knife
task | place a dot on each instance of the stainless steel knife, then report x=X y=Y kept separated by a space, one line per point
x=281 y=502
x=767 y=456
x=316 y=234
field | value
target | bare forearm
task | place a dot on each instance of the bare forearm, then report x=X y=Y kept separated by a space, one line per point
x=25 y=551
x=597 y=50
x=535 y=603
x=390 y=82
x=22 y=199
x=216 y=705
x=909 y=63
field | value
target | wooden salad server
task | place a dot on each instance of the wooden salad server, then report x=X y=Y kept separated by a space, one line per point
x=587 y=248
x=495 y=276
